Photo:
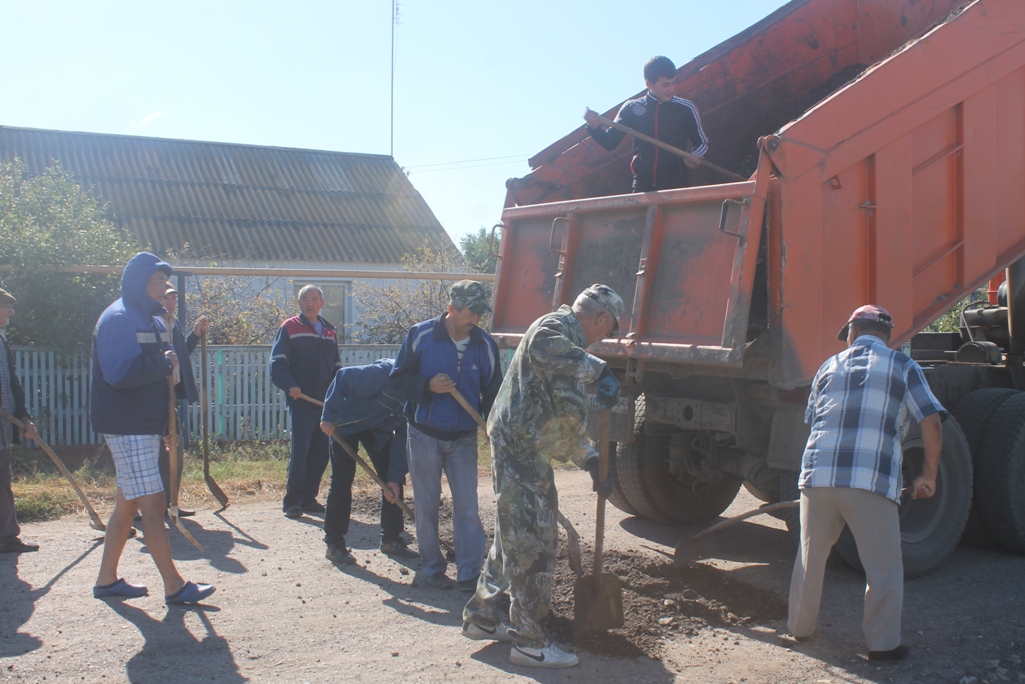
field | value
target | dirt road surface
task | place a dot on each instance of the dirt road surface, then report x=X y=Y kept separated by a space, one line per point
x=282 y=613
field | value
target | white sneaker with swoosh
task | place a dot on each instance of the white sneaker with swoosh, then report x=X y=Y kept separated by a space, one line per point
x=499 y=632
x=549 y=656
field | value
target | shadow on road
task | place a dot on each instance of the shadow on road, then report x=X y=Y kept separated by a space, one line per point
x=217 y=545
x=170 y=647
x=17 y=612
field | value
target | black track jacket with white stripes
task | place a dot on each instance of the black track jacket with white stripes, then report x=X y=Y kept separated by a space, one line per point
x=676 y=122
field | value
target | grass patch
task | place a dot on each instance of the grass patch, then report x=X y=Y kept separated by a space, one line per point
x=246 y=471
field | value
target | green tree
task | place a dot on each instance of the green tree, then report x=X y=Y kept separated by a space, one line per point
x=46 y=221
x=476 y=251
x=241 y=309
x=387 y=311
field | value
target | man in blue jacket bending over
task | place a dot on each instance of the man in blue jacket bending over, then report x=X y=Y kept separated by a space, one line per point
x=363 y=405
x=445 y=353
x=129 y=405
x=303 y=360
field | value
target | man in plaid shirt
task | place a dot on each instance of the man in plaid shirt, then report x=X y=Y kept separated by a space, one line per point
x=851 y=473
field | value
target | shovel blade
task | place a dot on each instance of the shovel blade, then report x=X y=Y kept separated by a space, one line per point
x=597 y=603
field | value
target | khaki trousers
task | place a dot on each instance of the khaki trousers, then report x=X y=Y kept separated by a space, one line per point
x=874 y=521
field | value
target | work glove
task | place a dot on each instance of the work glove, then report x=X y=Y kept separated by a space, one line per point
x=606 y=390
x=604 y=489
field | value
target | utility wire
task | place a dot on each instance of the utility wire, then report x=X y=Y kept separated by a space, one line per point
x=457 y=165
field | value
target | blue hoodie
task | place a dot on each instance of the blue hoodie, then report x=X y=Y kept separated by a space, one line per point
x=129 y=393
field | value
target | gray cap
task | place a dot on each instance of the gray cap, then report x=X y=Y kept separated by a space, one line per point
x=607 y=297
x=470 y=294
x=6 y=297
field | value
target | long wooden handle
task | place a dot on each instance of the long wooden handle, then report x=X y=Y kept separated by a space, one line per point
x=173 y=452
x=359 y=460
x=668 y=148
x=469 y=409
x=373 y=474
x=97 y=522
x=603 y=473
x=205 y=407
x=767 y=508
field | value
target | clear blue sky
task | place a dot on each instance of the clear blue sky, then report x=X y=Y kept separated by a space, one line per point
x=474 y=80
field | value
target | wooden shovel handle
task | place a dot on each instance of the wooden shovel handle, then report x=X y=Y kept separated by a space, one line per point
x=603 y=473
x=469 y=409
x=359 y=460
x=97 y=522
x=669 y=148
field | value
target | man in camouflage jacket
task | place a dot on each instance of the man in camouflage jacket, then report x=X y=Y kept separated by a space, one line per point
x=540 y=414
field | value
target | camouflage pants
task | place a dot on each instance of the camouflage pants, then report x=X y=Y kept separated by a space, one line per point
x=522 y=558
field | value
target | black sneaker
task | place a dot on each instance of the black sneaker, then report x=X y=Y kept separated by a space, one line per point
x=294 y=512
x=468 y=586
x=315 y=507
x=339 y=554
x=397 y=548
x=893 y=655
x=438 y=581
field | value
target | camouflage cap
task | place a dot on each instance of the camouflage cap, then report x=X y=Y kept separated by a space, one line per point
x=470 y=294
x=607 y=297
x=6 y=297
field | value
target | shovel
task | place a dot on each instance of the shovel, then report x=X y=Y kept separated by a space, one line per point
x=176 y=454
x=218 y=493
x=376 y=478
x=598 y=597
x=687 y=550
x=96 y=524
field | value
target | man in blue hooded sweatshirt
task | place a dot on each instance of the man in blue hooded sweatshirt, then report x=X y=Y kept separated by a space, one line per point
x=129 y=405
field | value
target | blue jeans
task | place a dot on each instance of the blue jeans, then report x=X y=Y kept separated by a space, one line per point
x=308 y=460
x=458 y=458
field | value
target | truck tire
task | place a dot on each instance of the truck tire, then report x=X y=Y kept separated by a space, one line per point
x=973 y=414
x=657 y=495
x=618 y=497
x=1000 y=478
x=679 y=501
x=629 y=484
x=930 y=529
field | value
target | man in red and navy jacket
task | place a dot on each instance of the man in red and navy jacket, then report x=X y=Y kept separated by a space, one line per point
x=303 y=360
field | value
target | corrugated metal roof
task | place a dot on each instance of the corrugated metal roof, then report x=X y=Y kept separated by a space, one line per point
x=229 y=201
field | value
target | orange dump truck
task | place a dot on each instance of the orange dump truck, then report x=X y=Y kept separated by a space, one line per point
x=884 y=142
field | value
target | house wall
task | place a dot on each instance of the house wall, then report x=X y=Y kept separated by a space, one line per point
x=342 y=315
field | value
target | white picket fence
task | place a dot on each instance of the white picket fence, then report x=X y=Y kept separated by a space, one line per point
x=244 y=403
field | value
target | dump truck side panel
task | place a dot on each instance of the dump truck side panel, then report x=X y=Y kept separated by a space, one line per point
x=904 y=188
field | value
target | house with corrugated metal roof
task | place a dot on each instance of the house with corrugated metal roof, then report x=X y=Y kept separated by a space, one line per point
x=246 y=205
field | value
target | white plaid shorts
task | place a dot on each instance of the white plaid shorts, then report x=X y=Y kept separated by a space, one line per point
x=135 y=458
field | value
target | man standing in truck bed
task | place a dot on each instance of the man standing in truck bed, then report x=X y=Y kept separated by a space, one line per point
x=662 y=116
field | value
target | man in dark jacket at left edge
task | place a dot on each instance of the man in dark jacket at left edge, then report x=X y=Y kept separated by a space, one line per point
x=12 y=400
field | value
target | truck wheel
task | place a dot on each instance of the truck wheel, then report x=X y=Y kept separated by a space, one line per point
x=973 y=414
x=654 y=493
x=683 y=501
x=929 y=528
x=618 y=497
x=629 y=486
x=1000 y=478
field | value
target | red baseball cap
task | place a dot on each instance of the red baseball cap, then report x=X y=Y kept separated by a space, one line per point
x=869 y=312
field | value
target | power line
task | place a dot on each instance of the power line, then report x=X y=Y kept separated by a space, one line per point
x=456 y=165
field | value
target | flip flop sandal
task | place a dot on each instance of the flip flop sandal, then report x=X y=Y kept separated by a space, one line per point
x=121 y=588
x=190 y=593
